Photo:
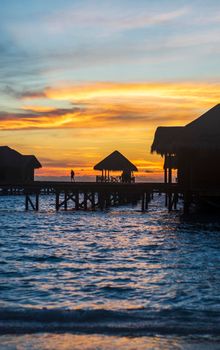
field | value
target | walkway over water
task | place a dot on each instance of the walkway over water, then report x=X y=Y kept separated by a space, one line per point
x=90 y=195
x=95 y=195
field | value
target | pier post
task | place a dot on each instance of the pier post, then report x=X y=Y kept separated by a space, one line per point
x=147 y=200
x=93 y=200
x=101 y=201
x=166 y=199
x=26 y=202
x=37 y=202
x=186 y=204
x=143 y=202
x=29 y=201
x=57 y=200
x=85 y=201
x=77 y=200
x=170 y=202
x=175 y=200
x=65 y=201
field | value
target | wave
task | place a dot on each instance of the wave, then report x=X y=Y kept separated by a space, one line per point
x=133 y=322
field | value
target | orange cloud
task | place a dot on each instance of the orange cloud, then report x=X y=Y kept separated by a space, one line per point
x=101 y=117
x=116 y=104
x=206 y=92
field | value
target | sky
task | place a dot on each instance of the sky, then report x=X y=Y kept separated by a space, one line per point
x=82 y=78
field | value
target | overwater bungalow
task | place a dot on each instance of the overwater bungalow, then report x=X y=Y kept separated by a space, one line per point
x=15 y=167
x=115 y=162
x=194 y=150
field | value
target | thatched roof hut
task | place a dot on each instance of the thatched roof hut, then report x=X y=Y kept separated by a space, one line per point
x=194 y=150
x=201 y=134
x=16 y=167
x=166 y=139
x=115 y=162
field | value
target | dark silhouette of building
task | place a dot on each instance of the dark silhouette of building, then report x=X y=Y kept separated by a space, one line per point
x=115 y=162
x=15 y=167
x=194 y=150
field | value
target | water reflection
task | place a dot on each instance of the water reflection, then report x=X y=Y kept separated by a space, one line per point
x=94 y=342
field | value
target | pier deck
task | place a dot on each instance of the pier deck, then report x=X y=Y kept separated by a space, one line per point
x=97 y=195
x=91 y=195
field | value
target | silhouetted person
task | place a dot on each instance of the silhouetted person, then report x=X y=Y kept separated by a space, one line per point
x=72 y=175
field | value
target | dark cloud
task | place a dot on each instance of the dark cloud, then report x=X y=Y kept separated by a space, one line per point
x=8 y=90
x=30 y=115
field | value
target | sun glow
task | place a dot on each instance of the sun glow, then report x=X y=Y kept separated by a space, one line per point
x=95 y=118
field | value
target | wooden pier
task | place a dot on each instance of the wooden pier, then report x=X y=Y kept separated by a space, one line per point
x=94 y=195
x=91 y=195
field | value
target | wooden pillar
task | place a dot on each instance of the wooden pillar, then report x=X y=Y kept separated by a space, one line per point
x=77 y=200
x=101 y=200
x=166 y=199
x=108 y=200
x=165 y=175
x=85 y=201
x=170 y=201
x=186 y=204
x=175 y=200
x=93 y=200
x=37 y=202
x=26 y=202
x=143 y=202
x=65 y=201
x=57 y=201
x=147 y=200
x=170 y=175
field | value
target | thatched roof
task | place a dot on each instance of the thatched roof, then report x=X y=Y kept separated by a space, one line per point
x=117 y=162
x=166 y=138
x=32 y=161
x=11 y=158
x=201 y=134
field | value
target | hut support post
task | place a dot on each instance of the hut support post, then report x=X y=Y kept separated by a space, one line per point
x=176 y=197
x=93 y=200
x=101 y=201
x=147 y=200
x=37 y=202
x=170 y=201
x=165 y=175
x=166 y=199
x=144 y=204
x=28 y=201
x=85 y=200
x=77 y=200
x=57 y=201
x=65 y=201
x=187 y=203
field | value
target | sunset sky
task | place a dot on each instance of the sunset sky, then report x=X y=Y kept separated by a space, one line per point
x=82 y=78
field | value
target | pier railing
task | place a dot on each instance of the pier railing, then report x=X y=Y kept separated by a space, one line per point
x=91 y=195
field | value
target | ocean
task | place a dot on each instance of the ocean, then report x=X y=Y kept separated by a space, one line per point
x=117 y=279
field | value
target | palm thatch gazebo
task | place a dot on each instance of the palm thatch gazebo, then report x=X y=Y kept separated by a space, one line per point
x=115 y=162
x=194 y=150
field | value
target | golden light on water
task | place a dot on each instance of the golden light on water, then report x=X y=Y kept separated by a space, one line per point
x=94 y=342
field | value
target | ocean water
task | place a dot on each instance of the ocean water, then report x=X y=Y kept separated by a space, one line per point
x=117 y=279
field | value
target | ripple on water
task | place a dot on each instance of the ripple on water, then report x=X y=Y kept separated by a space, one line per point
x=117 y=258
